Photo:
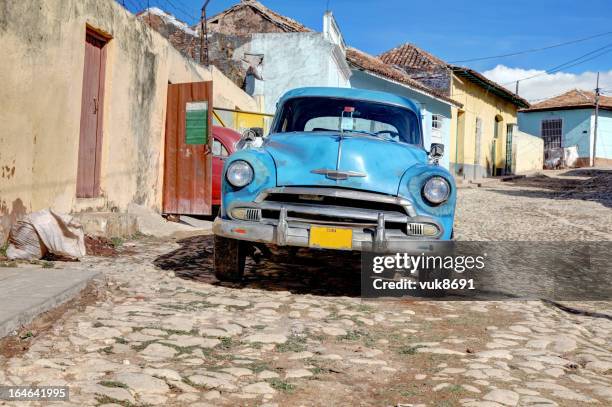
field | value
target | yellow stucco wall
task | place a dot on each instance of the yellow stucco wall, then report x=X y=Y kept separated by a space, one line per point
x=43 y=45
x=478 y=103
x=527 y=153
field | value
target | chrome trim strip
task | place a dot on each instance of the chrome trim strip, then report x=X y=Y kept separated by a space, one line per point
x=337 y=174
x=340 y=193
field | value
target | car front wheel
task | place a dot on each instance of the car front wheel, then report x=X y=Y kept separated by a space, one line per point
x=229 y=258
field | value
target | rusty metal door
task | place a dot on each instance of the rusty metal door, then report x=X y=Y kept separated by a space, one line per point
x=92 y=102
x=188 y=159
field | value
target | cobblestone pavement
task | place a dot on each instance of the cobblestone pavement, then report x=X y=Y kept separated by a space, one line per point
x=164 y=332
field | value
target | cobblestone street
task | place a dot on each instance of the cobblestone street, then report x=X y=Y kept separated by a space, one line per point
x=162 y=331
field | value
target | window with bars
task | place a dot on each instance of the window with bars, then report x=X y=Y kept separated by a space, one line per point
x=552 y=133
x=437 y=120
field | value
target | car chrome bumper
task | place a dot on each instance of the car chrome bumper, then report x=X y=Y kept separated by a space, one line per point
x=282 y=234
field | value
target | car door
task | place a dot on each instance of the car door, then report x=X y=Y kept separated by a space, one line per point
x=220 y=153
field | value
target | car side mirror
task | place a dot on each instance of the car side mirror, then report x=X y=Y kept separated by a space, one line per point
x=436 y=152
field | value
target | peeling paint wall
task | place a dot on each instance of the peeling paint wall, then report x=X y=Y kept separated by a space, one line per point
x=43 y=45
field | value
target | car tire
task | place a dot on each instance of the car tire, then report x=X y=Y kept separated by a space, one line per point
x=229 y=257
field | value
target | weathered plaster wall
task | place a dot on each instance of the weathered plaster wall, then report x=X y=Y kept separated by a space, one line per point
x=477 y=102
x=43 y=45
x=429 y=106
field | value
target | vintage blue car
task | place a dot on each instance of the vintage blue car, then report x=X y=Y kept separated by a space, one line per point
x=342 y=169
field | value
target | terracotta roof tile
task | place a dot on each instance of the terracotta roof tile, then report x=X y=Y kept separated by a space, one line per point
x=574 y=99
x=375 y=65
x=411 y=56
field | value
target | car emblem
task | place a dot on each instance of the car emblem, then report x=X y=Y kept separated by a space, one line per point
x=337 y=174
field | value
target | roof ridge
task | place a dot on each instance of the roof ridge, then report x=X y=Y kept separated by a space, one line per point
x=573 y=98
x=282 y=21
x=400 y=55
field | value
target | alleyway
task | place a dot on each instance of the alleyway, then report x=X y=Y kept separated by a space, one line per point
x=162 y=331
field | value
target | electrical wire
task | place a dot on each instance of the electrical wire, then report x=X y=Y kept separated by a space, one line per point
x=568 y=64
x=181 y=10
x=533 y=49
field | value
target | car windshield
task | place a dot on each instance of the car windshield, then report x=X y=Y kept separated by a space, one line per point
x=321 y=114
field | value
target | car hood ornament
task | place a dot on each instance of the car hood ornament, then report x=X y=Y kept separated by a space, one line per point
x=338 y=174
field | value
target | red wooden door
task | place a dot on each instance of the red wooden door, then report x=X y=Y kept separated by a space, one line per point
x=92 y=101
x=187 y=166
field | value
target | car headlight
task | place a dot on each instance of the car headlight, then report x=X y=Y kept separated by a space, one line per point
x=436 y=190
x=239 y=174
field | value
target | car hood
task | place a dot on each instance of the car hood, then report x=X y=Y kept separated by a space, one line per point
x=372 y=164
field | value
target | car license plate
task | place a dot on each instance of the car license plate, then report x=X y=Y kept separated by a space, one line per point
x=331 y=238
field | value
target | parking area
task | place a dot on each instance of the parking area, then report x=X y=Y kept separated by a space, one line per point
x=160 y=330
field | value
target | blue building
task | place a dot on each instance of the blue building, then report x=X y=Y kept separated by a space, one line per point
x=567 y=123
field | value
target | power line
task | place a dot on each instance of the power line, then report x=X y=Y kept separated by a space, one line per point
x=534 y=49
x=181 y=10
x=568 y=64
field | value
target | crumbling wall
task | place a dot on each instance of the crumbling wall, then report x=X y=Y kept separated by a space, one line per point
x=221 y=54
x=438 y=78
x=221 y=45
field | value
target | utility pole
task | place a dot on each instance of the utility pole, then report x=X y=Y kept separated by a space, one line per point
x=516 y=91
x=204 y=36
x=597 y=90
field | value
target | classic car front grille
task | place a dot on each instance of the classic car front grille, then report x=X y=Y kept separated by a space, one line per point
x=307 y=207
x=415 y=229
x=313 y=199
x=253 y=214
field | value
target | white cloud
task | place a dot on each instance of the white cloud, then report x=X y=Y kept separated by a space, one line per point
x=547 y=85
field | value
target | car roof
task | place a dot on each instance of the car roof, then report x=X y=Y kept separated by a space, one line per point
x=351 y=93
x=226 y=135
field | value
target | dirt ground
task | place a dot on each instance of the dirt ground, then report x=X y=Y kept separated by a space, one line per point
x=161 y=330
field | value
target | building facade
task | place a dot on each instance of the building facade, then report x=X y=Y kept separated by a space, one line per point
x=369 y=72
x=76 y=65
x=481 y=128
x=567 y=122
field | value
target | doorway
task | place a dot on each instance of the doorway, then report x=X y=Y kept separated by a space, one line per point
x=188 y=143
x=92 y=109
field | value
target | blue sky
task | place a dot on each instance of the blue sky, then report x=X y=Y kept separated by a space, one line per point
x=452 y=30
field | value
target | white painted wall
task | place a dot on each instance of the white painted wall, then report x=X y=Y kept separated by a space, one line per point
x=293 y=60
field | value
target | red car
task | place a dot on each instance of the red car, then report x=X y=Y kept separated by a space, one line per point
x=224 y=144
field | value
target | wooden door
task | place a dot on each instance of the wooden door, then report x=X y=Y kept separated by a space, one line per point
x=188 y=160
x=92 y=102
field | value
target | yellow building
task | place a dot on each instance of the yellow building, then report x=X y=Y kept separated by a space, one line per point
x=482 y=129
